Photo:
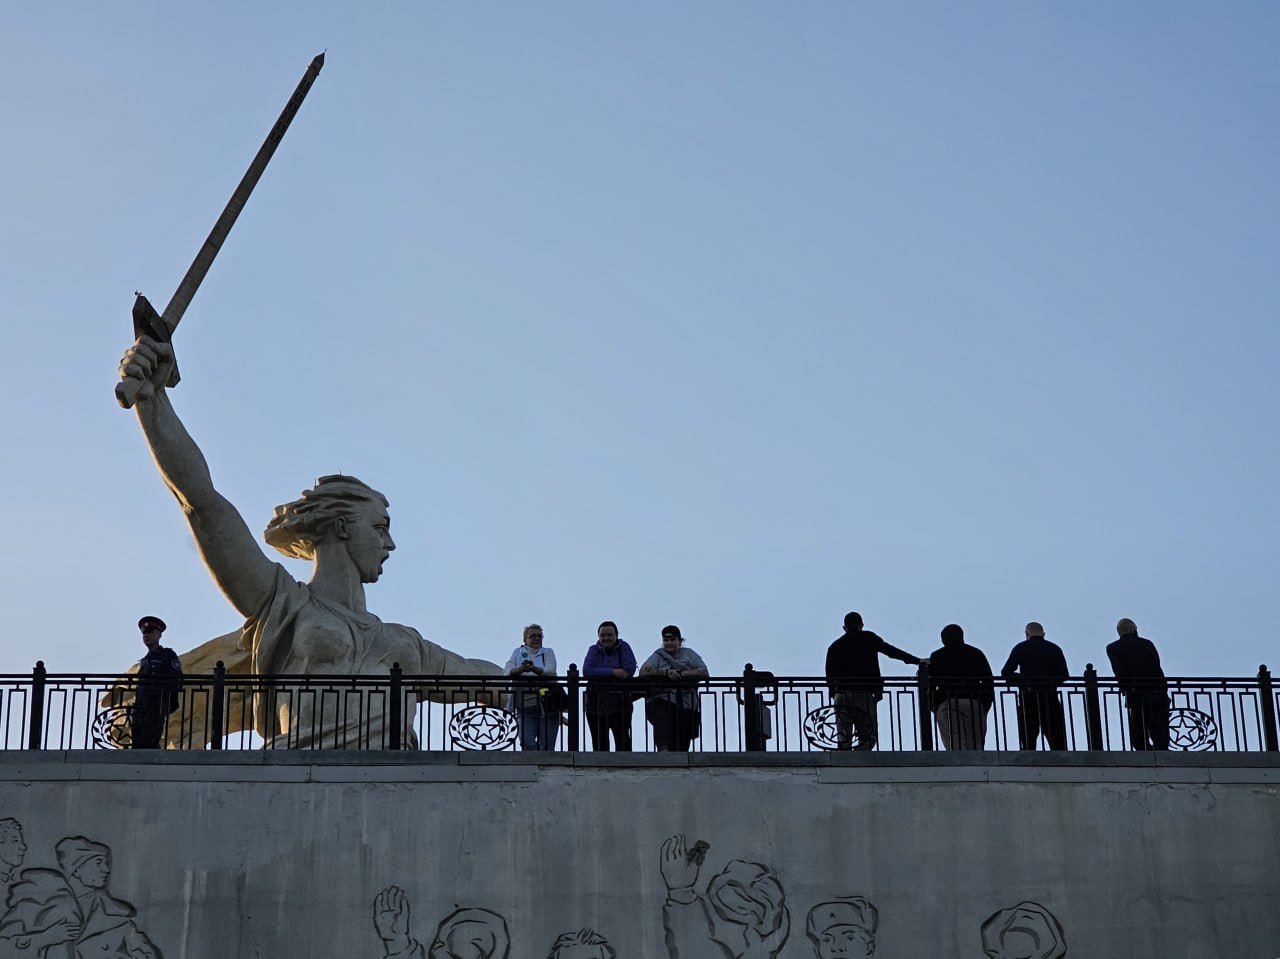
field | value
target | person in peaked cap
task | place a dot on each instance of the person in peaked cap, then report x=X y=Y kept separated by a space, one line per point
x=159 y=686
x=843 y=928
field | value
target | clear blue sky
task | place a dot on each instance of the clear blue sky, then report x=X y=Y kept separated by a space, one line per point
x=733 y=315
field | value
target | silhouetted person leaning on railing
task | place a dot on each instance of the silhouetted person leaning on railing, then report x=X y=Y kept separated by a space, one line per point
x=1136 y=664
x=853 y=674
x=961 y=691
x=1039 y=668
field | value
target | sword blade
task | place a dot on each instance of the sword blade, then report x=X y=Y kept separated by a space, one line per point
x=181 y=299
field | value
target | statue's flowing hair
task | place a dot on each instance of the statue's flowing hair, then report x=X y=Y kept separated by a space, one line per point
x=298 y=527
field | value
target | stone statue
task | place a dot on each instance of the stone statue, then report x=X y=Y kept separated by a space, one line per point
x=319 y=628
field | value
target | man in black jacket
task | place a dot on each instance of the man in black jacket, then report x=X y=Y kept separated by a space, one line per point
x=962 y=692
x=159 y=684
x=853 y=674
x=1136 y=664
x=1039 y=668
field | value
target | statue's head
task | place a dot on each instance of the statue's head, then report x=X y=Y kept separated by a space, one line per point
x=337 y=508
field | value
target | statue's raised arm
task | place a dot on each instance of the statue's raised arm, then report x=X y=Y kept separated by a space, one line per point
x=226 y=545
x=320 y=628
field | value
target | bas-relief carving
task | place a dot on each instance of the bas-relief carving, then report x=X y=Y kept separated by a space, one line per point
x=742 y=914
x=65 y=910
x=469 y=933
x=1025 y=931
x=318 y=628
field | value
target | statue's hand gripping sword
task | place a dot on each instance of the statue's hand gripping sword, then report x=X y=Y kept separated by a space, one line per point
x=160 y=327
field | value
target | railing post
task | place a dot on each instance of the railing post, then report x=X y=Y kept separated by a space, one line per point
x=751 y=711
x=925 y=714
x=1267 y=692
x=1092 y=708
x=35 y=730
x=395 y=710
x=575 y=711
x=217 y=718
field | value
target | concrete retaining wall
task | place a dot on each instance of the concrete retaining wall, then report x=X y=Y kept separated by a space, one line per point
x=285 y=856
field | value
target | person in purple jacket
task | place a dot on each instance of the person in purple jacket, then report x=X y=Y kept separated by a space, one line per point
x=608 y=665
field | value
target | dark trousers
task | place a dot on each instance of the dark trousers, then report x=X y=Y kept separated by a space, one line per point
x=617 y=722
x=1148 y=721
x=674 y=727
x=1041 y=709
x=146 y=727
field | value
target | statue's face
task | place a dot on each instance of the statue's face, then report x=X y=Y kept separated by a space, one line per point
x=12 y=848
x=369 y=541
x=845 y=942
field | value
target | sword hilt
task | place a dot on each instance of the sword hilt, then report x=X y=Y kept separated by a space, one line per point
x=146 y=322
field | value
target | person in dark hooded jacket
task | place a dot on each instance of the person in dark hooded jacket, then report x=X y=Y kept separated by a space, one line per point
x=961 y=690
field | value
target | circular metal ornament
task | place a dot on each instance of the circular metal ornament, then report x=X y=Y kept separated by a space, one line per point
x=113 y=728
x=822 y=726
x=483 y=728
x=1191 y=730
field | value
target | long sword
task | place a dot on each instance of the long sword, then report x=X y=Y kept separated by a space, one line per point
x=160 y=327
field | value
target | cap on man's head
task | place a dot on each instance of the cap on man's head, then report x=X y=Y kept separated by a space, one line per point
x=1126 y=626
x=671 y=631
x=852 y=620
x=149 y=621
x=845 y=911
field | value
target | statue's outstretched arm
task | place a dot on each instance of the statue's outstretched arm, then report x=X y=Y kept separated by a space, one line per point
x=229 y=550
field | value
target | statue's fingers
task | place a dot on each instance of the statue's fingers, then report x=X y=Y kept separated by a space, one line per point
x=132 y=368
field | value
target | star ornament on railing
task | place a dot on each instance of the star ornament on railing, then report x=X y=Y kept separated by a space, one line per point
x=483 y=728
x=113 y=728
x=1192 y=730
x=822 y=726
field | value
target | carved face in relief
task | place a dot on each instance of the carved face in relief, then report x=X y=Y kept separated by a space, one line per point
x=368 y=539
x=467 y=940
x=13 y=850
x=471 y=934
x=845 y=942
x=93 y=872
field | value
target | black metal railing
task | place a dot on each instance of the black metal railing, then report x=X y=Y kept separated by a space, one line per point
x=756 y=711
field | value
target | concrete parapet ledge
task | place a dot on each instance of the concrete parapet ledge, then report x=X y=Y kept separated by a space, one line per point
x=825 y=768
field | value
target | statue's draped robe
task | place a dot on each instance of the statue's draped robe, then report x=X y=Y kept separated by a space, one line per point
x=297 y=633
